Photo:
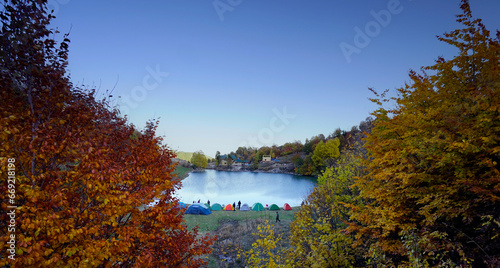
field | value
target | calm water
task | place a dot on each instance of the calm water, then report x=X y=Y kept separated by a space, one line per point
x=227 y=187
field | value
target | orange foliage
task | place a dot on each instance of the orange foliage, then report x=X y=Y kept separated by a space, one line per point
x=82 y=176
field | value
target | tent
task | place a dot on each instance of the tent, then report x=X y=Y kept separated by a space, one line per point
x=287 y=207
x=198 y=209
x=245 y=207
x=216 y=207
x=207 y=205
x=274 y=207
x=228 y=207
x=258 y=207
x=181 y=205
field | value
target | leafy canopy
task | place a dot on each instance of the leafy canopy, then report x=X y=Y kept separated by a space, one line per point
x=199 y=159
x=435 y=161
x=83 y=174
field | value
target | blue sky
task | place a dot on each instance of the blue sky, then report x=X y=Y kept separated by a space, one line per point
x=226 y=73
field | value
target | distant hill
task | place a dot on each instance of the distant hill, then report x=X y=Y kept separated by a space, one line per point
x=187 y=155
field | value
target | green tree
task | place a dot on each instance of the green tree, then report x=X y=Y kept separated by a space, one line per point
x=257 y=159
x=325 y=154
x=297 y=162
x=199 y=159
x=229 y=159
x=217 y=158
x=435 y=168
x=339 y=134
x=267 y=250
x=307 y=166
x=318 y=233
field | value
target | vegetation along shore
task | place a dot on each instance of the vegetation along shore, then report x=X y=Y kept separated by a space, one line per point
x=416 y=184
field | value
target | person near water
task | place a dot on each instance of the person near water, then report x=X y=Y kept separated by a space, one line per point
x=277 y=217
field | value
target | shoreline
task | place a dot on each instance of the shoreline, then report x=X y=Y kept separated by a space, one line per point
x=273 y=171
x=186 y=173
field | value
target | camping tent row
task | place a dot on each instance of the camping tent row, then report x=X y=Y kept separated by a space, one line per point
x=203 y=209
x=245 y=207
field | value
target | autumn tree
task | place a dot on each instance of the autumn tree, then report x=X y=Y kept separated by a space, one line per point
x=199 y=159
x=267 y=250
x=318 y=233
x=83 y=175
x=434 y=173
x=325 y=153
x=257 y=158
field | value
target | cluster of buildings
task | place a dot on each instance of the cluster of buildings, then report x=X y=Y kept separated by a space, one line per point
x=267 y=162
x=235 y=161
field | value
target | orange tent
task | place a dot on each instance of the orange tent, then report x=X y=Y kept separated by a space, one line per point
x=287 y=207
x=228 y=207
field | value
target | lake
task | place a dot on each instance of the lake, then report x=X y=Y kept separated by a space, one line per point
x=225 y=187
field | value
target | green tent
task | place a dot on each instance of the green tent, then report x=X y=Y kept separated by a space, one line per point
x=258 y=207
x=207 y=205
x=216 y=206
x=274 y=207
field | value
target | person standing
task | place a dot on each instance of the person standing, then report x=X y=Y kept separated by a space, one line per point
x=239 y=205
x=277 y=217
x=208 y=202
x=234 y=206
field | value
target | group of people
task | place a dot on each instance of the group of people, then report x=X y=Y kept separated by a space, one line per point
x=239 y=207
x=234 y=205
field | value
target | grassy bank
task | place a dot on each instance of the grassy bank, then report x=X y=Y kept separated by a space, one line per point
x=209 y=223
x=182 y=172
x=234 y=231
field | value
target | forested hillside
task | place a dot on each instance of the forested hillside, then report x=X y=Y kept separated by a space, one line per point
x=313 y=156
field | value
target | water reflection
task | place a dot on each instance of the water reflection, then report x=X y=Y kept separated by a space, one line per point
x=249 y=187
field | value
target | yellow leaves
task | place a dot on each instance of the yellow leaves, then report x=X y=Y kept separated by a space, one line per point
x=433 y=161
x=70 y=252
x=48 y=251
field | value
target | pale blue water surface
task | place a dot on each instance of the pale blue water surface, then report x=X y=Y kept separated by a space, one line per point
x=225 y=187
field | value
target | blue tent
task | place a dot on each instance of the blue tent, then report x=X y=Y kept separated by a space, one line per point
x=181 y=205
x=198 y=209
